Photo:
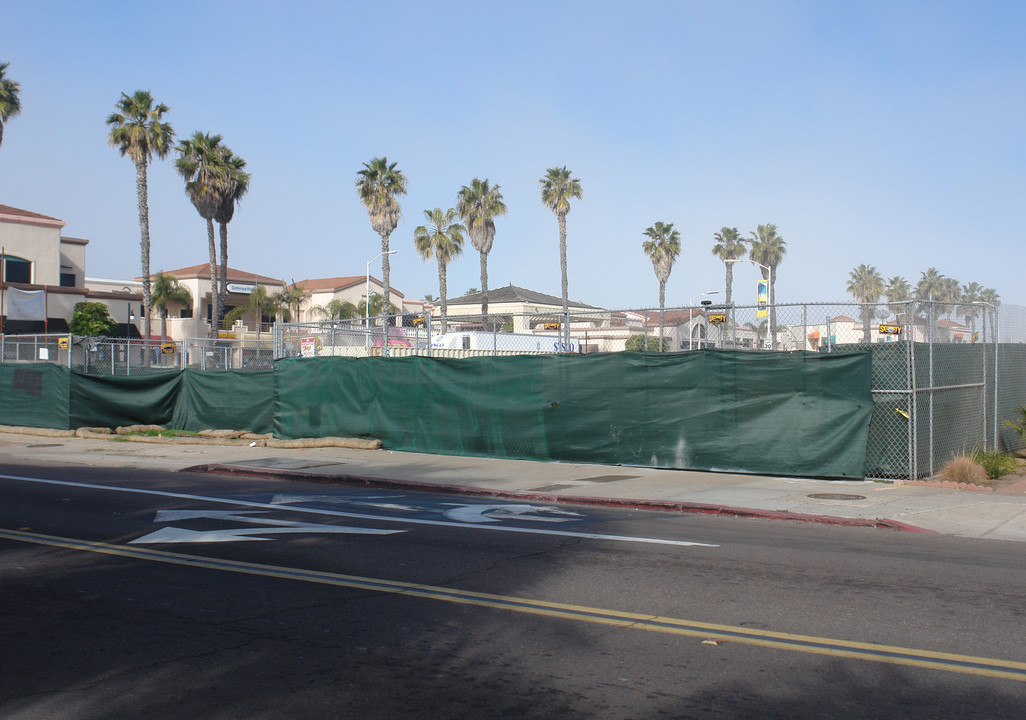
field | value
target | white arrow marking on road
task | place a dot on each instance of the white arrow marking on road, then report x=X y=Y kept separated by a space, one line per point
x=498 y=513
x=181 y=535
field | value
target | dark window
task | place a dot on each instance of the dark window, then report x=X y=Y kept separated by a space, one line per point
x=186 y=313
x=17 y=270
x=210 y=313
x=67 y=279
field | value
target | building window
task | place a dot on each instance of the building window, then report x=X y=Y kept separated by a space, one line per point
x=67 y=279
x=186 y=313
x=17 y=270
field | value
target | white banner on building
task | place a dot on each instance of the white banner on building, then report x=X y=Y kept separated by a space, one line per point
x=24 y=304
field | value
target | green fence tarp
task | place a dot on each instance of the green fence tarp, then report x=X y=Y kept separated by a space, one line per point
x=783 y=413
x=106 y=401
x=218 y=399
x=34 y=395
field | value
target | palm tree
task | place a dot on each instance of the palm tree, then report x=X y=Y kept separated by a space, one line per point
x=10 y=99
x=930 y=285
x=866 y=285
x=478 y=204
x=260 y=304
x=379 y=184
x=558 y=188
x=662 y=248
x=336 y=309
x=443 y=240
x=759 y=329
x=290 y=299
x=199 y=164
x=990 y=297
x=167 y=289
x=970 y=310
x=769 y=249
x=137 y=130
x=898 y=290
x=729 y=246
x=377 y=306
x=234 y=184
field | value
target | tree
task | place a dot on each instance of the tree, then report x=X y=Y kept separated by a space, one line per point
x=866 y=285
x=989 y=296
x=768 y=249
x=379 y=185
x=643 y=343
x=662 y=248
x=970 y=310
x=759 y=329
x=290 y=299
x=91 y=319
x=558 y=188
x=898 y=290
x=199 y=164
x=930 y=285
x=137 y=130
x=10 y=99
x=478 y=204
x=729 y=246
x=336 y=309
x=260 y=304
x=166 y=290
x=441 y=239
x=234 y=183
x=377 y=306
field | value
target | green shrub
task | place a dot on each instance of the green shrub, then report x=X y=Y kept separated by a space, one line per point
x=995 y=463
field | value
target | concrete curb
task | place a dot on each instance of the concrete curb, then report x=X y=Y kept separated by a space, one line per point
x=666 y=505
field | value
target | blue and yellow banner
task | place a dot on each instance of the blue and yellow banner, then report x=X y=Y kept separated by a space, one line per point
x=762 y=299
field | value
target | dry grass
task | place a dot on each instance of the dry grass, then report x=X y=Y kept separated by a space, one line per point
x=963 y=470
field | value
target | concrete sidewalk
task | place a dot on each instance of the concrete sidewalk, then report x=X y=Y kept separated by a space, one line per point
x=992 y=515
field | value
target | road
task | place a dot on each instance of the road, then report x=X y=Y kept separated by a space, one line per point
x=169 y=595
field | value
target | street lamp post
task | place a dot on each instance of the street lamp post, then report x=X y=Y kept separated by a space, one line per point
x=691 y=314
x=769 y=286
x=366 y=307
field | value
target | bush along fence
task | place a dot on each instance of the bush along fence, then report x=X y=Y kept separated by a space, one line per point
x=799 y=414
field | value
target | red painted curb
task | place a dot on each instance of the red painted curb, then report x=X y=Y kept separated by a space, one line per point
x=669 y=505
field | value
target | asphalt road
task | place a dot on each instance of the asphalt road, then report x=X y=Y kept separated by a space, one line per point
x=127 y=594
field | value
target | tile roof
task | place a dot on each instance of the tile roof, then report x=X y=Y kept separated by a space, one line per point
x=13 y=214
x=335 y=284
x=512 y=294
x=203 y=272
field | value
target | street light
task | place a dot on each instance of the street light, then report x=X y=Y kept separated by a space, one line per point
x=366 y=308
x=769 y=286
x=691 y=313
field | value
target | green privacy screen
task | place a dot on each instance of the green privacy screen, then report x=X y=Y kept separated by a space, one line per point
x=110 y=401
x=34 y=396
x=233 y=399
x=780 y=413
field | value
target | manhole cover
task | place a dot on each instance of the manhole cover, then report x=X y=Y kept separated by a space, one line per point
x=836 y=496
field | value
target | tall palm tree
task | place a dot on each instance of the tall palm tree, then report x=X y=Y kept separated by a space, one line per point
x=662 y=248
x=898 y=290
x=442 y=239
x=10 y=99
x=478 y=204
x=729 y=246
x=930 y=285
x=866 y=285
x=558 y=188
x=377 y=306
x=138 y=130
x=379 y=185
x=200 y=165
x=990 y=297
x=290 y=299
x=768 y=249
x=167 y=289
x=234 y=183
x=969 y=310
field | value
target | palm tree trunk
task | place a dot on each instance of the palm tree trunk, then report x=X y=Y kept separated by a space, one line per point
x=222 y=289
x=442 y=288
x=662 y=304
x=562 y=260
x=163 y=325
x=144 y=242
x=215 y=296
x=484 y=285
x=386 y=268
x=730 y=281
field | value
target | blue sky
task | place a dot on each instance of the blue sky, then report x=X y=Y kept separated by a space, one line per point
x=887 y=133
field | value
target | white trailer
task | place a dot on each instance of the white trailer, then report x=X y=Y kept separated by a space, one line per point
x=508 y=342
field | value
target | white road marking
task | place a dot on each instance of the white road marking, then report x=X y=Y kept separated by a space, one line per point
x=181 y=535
x=361 y=516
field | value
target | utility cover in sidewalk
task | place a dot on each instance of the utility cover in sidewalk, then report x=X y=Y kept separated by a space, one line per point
x=836 y=496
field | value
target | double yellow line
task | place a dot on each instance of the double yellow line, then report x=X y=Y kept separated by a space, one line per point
x=966 y=664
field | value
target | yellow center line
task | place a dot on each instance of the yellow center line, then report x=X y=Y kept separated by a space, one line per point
x=951 y=662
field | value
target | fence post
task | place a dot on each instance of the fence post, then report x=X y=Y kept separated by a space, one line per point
x=930 y=379
x=805 y=326
x=427 y=326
